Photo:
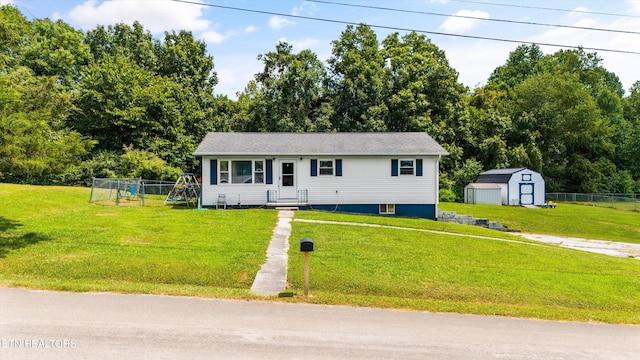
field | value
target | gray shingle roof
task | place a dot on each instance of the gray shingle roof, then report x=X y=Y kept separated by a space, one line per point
x=509 y=171
x=254 y=143
x=499 y=176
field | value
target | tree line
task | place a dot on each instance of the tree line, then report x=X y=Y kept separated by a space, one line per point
x=117 y=102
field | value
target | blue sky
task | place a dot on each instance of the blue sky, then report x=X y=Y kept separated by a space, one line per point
x=235 y=38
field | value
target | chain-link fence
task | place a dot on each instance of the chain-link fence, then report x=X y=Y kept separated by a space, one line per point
x=617 y=201
x=130 y=192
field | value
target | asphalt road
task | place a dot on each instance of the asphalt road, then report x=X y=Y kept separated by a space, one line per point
x=54 y=325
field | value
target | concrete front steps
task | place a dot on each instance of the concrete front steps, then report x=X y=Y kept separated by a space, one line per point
x=453 y=217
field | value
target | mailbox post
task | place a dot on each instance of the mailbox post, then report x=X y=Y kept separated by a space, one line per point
x=306 y=246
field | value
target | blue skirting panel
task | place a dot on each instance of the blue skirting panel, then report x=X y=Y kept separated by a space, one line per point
x=427 y=211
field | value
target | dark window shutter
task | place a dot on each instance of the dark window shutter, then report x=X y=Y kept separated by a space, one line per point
x=213 y=172
x=338 y=167
x=394 y=167
x=418 y=167
x=314 y=167
x=269 y=179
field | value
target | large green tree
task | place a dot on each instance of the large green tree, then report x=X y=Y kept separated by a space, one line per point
x=148 y=94
x=524 y=61
x=567 y=120
x=55 y=49
x=359 y=81
x=122 y=105
x=289 y=93
x=14 y=29
x=554 y=114
x=424 y=93
x=34 y=148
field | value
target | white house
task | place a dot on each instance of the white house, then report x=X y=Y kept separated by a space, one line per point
x=374 y=173
x=519 y=186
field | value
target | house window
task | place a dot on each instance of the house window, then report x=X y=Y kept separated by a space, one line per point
x=258 y=172
x=242 y=172
x=526 y=177
x=326 y=167
x=387 y=208
x=224 y=172
x=406 y=167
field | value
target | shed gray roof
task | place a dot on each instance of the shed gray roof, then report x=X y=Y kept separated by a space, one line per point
x=255 y=143
x=499 y=176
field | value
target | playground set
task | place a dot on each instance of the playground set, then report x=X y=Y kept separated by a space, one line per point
x=140 y=192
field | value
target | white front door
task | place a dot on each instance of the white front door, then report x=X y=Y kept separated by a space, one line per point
x=288 y=186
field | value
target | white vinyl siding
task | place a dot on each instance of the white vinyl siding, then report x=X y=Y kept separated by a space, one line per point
x=364 y=180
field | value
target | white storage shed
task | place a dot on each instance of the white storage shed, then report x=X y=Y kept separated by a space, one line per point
x=519 y=186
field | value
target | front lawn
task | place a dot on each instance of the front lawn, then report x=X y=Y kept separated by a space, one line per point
x=384 y=267
x=52 y=237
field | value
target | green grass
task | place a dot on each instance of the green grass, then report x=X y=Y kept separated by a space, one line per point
x=367 y=266
x=567 y=219
x=52 y=237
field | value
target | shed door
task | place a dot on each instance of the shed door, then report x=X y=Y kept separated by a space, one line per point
x=526 y=193
x=470 y=196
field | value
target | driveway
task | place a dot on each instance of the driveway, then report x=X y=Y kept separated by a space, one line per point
x=605 y=247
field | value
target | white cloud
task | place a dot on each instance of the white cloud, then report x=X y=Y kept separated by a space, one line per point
x=306 y=9
x=623 y=65
x=6 y=2
x=439 y=1
x=157 y=17
x=234 y=72
x=213 y=37
x=250 y=29
x=303 y=44
x=475 y=70
x=460 y=25
x=278 y=22
x=634 y=6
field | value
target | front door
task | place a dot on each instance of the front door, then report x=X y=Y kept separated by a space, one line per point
x=288 y=187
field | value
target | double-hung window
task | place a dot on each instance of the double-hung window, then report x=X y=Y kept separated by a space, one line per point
x=326 y=167
x=406 y=167
x=258 y=172
x=224 y=172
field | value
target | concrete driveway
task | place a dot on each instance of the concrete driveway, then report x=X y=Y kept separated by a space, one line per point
x=604 y=247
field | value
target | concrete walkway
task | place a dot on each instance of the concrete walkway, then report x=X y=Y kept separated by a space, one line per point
x=272 y=277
